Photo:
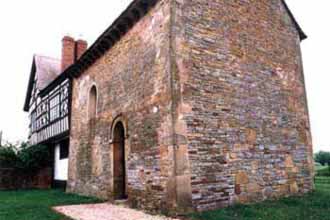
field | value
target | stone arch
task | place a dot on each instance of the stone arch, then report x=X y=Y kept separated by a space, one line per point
x=122 y=119
x=92 y=127
x=92 y=102
x=119 y=155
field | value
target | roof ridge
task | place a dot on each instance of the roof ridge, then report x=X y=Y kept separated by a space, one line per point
x=131 y=15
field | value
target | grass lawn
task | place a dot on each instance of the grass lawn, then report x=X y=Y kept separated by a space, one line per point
x=325 y=171
x=320 y=167
x=36 y=204
x=314 y=206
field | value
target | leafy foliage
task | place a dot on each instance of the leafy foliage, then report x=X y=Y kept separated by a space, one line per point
x=25 y=157
x=323 y=158
x=8 y=156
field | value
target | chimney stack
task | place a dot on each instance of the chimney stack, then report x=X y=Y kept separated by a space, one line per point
x=81 y=47
x=68 y=52
x=71 y=51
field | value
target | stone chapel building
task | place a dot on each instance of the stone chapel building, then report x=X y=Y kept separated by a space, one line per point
x=179 y=106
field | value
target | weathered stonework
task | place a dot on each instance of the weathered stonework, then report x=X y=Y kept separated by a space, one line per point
x=211 y=96
x=241 y=79
x=12 y=179
x=133 y=84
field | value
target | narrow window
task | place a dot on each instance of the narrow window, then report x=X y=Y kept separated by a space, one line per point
x=92 y=103
x=92 y=149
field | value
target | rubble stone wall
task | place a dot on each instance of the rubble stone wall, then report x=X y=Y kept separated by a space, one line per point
x=13 y=179
x=133 y=84
x=212 y=98
x=243 y=101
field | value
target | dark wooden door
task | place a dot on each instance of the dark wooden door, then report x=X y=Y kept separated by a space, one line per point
x=119 y=162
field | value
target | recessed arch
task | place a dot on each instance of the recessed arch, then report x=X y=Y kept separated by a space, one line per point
x=92 y=114
x=119 y=162
x=119 y=118
x=92 y=103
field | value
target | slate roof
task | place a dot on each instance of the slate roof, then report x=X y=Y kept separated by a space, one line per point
x=45 y=70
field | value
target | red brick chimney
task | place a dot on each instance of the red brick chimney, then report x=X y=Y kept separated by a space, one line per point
x=81 y=47
x=71 y=51
x=68 y=52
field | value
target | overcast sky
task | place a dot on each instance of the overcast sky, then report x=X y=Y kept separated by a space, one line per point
x=37 y=26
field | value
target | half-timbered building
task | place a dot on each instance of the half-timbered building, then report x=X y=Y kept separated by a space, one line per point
x=49 y=109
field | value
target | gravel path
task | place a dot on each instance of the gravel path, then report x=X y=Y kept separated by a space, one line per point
x=105 y=211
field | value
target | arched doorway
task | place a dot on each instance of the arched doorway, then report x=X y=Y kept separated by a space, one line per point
x=119 y=161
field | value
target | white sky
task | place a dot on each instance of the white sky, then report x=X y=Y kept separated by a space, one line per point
x=37 y=26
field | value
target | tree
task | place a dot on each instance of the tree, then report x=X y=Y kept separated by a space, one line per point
x=323 y=158
x=8 y=156
x=24 y=157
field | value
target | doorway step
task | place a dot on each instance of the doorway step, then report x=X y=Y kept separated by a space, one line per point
x=121 y=202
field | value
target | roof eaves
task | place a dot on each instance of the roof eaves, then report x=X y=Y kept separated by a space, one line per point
x=26 y=107
x=302 y=34
x=131 y=15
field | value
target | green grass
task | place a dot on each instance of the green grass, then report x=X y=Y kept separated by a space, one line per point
x=323 y=171
x=313 y=206
x=320 y=167
x=36 y=204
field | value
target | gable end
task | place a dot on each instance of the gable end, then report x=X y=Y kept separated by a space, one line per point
x=30 y=86
x=302 y=34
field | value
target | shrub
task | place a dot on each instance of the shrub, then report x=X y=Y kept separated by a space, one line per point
x=25 y=158
x=8 y=156
x=323 y=158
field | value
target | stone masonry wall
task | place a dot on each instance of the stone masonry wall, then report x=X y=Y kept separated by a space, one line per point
x=241 y=101
x=212 y=98
x=133 y=83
